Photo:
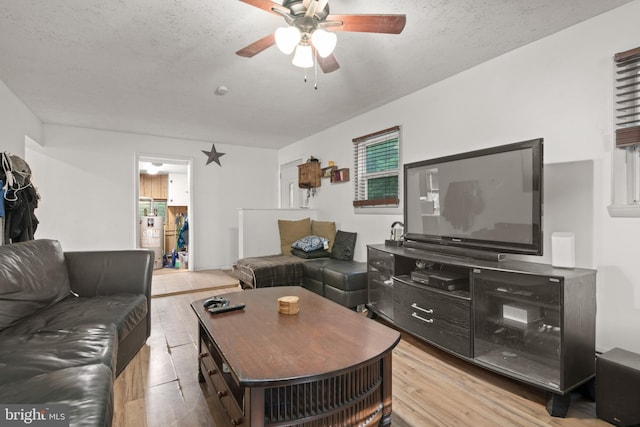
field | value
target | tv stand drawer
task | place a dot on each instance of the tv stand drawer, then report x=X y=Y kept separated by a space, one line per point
x=441 y=319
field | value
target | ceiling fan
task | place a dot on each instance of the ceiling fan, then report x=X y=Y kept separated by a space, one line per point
x=311 y=30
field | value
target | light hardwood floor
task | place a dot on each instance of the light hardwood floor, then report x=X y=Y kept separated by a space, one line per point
x=430 y=387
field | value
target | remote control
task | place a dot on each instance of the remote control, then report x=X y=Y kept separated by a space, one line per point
x=216 y=310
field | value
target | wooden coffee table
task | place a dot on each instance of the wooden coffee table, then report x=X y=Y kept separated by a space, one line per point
x=326 y=365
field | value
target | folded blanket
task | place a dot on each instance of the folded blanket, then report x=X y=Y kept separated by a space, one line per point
x=269 y=271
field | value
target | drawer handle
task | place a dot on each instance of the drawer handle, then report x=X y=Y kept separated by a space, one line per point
x=414 y=314
x=212 y=372
x=203 y=355
x=426 y=310
x=222 y=393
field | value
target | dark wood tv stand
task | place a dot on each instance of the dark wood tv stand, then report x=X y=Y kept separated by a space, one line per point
x=528 y=321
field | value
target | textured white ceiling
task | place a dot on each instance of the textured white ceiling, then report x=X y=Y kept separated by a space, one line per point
x=152 y=66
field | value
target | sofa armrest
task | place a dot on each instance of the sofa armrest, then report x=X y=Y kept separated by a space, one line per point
x=94 y=273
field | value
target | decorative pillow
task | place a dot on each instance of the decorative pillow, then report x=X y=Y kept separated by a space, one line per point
x=311 y=243
x=344 y=246
x=290 y=231
x=326 y=229
x=320 y=253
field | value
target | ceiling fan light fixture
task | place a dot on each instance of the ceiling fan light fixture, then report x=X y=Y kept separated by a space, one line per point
x=303 y=57
x=324 y=42
x=287 y=38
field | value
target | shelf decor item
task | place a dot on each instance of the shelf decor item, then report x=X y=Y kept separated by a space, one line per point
x=326 y=172
x=309 y=174
x=288 y=305
x=213 y=155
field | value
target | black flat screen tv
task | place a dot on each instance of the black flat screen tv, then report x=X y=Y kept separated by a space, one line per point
x=488 y=200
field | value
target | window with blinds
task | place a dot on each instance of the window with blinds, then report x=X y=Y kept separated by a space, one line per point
x=627 y=97
x=626 y=108
x=377 y=169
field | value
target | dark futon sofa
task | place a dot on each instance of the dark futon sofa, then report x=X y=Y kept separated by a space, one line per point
x=69 y=324
x=331 y=273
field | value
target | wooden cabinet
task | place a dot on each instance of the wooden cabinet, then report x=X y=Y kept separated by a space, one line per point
x=309 y=175
x=178 y=192
x=153 y=186
x=527 y=321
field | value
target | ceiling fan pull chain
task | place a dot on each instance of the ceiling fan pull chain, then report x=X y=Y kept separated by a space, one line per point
x=315 y=70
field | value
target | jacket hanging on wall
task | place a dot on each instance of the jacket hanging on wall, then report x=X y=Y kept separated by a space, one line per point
x=20 y=199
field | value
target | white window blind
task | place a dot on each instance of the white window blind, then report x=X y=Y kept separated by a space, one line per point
x=627 y=97
x=377 y=169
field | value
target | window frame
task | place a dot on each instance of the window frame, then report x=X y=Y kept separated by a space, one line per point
x=625 y=198
x=361 y=177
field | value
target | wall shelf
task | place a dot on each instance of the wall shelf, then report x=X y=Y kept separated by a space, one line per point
x=340 y=175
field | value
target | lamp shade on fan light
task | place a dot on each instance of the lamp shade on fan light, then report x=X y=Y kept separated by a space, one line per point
x=563 y=250
x=287 y=38
x=324 y=42
x=303 y=57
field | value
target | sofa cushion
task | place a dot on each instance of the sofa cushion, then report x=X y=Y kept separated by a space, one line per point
x=326 y=229
x=33 y=276
x=311 y=243
x=320 y=253
x=124 y=311
x=313 y=269
x=29 y=355
x=290 y=231
x=344 y=246
x=88 y=390
x=350 y=299
x=313 y=285
x=346 y=275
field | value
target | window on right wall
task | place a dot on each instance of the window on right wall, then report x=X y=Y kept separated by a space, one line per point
x=626 y=156
x=377 y=169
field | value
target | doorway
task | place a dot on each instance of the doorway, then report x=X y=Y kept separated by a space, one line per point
x=164 y=220
x=290 y=194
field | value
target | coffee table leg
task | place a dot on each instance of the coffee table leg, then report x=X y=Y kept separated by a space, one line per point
x=255 y=405
x=386 y=390
x=200 y=376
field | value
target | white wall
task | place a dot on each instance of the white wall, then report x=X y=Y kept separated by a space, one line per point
x=258 y=231
x=87 y=185
x=559 y=88
x=16 y=122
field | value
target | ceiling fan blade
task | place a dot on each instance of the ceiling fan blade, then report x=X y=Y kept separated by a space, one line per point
x=328 y=64
x=257 y=46
x=269 y=6
x=389 y=24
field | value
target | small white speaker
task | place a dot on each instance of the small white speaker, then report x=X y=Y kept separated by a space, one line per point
x=563 y=249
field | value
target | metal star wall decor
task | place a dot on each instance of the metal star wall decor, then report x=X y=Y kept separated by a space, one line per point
x=214 y=156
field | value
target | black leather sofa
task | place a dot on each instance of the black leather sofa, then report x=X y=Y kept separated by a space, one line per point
x=69 y=324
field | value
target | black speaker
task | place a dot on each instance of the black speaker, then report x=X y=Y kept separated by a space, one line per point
x=617 y=387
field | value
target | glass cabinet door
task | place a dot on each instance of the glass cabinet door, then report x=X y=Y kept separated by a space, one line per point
x=518 y=324
x=380 y=270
